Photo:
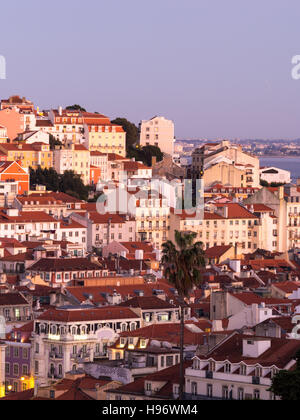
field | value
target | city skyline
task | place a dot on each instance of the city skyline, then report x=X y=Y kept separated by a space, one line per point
x=217 y=70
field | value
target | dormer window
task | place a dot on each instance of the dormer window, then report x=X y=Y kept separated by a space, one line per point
x=228 y=367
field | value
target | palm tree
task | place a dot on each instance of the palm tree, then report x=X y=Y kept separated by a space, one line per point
x=181 y=262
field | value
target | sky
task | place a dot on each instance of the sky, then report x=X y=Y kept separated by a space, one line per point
x=218 y=69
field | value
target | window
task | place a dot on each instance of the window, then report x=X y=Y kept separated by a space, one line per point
x=209 y=390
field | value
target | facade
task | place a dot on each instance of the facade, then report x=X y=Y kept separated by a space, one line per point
x=241 y=368
x=15 y=308
x=2 y=369
x=158 y=132
x=18 y=376
x=12 y=172
x=103 y=136
x=246 y=229
x=276 y=175
x=102 y=229
x=65 y=339
x=74 y=158
x=225 y=164
x=29 y=155
x=16 y=101
x=13 y=121
x=58 y=271
x=100 y=160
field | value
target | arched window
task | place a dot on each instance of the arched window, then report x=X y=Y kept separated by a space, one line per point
x=74 y=330
x=60 y=370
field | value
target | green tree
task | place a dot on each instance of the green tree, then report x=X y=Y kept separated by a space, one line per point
x=69 y=182
x=145 y=154
x=181 y=261
x=131 y=130
x=286 y=384
x=75 y=107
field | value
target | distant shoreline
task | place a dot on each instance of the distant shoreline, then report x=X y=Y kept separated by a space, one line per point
x=278 y=157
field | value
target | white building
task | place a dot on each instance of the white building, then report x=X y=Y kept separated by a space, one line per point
x=240 y=368
x=64 y=339
x=158 y=132
x=272 y=174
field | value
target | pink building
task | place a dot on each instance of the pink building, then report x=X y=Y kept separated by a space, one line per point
x=13 y=121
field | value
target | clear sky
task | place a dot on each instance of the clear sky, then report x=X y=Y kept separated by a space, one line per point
x=218 y=68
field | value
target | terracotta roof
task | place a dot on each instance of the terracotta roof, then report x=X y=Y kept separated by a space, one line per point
x=217 y=251
x=7 y=299
x=146 y=302
x=93 y=314
x=279 y=354
x=64 y=264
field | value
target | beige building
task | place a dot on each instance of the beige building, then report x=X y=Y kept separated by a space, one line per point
x=225 y=163
x=75 y=158
x=158 y=132
x=105 y=137
x=247 y=229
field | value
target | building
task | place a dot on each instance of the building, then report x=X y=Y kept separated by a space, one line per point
x=276 y=175
x=100 y=160
x=225 y=163
x=103 y=136
x=2 y=369
x=12 y=172
x=102 y=229
x=245 y=228
x=64 y=271
x=29 y=155
x=160 y=132
x=67 y=125
x=66 y=338
x=15 y=308
x=13 y=121
x=18 y=376
x=161 y=385
x=74 y=158
x=240 y=368
x=16 y=101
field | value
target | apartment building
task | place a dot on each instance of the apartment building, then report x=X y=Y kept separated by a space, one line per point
x=18 y=369
x=152 y=215
x=15 y=308
x=22 y=225
x=225 y=163
x=246 y=229
x=160 y=132
x=13 y=173
x=240 y=368
x=13 y=121
x=103 y=136
x=74 y=158
x=100 y=160
x=29 y=155
x=102 y=229
x=67 y=125
x=16 y=101
x=273 y=174
x=64 y=339
x=2 y=369
x=64 y=271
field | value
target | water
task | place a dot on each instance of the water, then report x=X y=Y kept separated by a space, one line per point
x=288 y=164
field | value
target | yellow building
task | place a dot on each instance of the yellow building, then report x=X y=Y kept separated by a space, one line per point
x=105 y=138
x=75 y=158
x=30 y=155
x=246 y=229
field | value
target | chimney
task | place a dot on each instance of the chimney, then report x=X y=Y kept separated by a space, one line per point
x=60 y=110
x=154 y=160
